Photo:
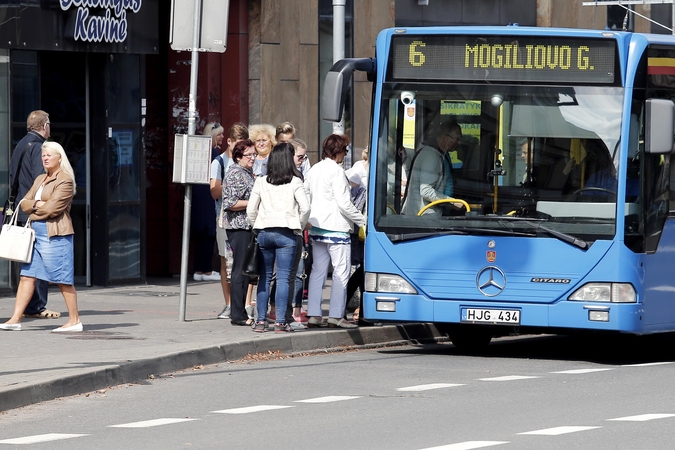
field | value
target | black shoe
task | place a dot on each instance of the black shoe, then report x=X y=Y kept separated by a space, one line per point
x=243 y=323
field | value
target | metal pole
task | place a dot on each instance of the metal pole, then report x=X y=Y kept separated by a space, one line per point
x=339 y=47
x=192 y=112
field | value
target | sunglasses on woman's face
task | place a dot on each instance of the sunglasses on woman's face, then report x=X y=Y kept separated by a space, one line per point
x=301 y=157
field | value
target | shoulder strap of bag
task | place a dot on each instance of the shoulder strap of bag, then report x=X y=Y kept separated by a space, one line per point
x=15 y=217
x=15 y=184
x=220 y=216
x=222 y=167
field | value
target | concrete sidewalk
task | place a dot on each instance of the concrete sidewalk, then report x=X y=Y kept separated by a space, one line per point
x=133 y=332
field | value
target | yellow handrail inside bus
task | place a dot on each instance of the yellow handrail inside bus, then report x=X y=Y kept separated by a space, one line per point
x=445 y=200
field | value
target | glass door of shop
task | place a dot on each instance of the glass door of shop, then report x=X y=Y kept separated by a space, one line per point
x=57 y=83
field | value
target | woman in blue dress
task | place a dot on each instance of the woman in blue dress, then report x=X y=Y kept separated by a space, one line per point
x=48 y=204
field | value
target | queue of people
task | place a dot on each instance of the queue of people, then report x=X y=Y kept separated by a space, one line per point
x=269 y=190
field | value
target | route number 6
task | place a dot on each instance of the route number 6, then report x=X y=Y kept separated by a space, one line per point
x=416 y=57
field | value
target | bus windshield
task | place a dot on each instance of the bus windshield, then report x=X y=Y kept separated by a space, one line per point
x=499 y=159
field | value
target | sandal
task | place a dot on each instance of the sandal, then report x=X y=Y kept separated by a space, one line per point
x=46 y=314
x=247 y=322
x=355 y=316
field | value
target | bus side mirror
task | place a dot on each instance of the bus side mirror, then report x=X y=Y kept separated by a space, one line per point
x=333 y=99
x=336 y=85
x=659 y=125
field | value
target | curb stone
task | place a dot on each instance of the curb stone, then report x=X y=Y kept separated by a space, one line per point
x=134 y=371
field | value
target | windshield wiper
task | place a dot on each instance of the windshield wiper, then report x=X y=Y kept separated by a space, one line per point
x=537 y=224
x=560 y=235
x=412 y=236
x=456 y=231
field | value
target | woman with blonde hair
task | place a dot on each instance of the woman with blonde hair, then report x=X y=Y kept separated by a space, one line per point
x=262 y=136
x=48 y=204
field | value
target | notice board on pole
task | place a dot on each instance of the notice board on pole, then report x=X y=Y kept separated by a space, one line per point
x=191 y=159
x=213 y=25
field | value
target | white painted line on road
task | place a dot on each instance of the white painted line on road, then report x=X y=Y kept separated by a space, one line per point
x=468 y=445
x=643 y=417
x=559 y=430
x=251 y=409
x=150 y=423
x=427 y=387
x=40 y=438
x=508 y=378
x=649 y=364
x=328 y=399
x=580 y=371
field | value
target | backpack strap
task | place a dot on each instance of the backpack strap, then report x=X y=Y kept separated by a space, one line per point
x=222 y=167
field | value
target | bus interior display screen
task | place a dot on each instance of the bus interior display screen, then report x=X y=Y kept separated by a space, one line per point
x=542 y=59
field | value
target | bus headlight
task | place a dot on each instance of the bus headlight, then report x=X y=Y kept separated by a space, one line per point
x=605 y=292
x=384 y=282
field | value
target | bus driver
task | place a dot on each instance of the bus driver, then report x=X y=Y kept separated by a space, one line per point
x=431 y=170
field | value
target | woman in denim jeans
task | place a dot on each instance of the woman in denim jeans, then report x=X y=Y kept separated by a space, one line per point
x=278 y=209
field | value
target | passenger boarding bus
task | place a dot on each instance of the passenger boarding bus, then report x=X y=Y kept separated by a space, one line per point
x=520 y=180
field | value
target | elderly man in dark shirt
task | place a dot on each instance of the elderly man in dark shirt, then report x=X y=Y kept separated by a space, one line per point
x=31 y=166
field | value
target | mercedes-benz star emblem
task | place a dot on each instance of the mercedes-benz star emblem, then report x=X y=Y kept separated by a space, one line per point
x=491 y=281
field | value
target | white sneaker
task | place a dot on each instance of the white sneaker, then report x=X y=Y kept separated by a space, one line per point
x=298 y=326
x=225 y=313
x=198 y=277
x=215 y=276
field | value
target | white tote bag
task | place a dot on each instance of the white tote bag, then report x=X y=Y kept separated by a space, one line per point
x=16 y=242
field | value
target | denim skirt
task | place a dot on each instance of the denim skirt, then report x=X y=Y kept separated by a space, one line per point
x=53 y=258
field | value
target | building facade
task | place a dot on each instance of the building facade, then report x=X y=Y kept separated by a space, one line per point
x=84 y=63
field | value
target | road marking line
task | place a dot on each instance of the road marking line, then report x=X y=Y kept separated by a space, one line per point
x=150 y=423
x=251 y=409
x=427 y=387
x=643 y=417
x=328 y=399
x=649 y=364
x=556 y=431
x=40 y=438
x=508 y=378
x=468 y=445
x=580 y=371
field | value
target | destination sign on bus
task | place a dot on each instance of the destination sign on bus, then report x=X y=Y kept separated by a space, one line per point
x=543 y=59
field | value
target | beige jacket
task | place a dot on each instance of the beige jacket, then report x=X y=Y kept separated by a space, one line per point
x=283 y=206
x=58 y=196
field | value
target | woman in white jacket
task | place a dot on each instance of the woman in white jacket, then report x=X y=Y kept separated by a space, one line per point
x=278 y=209
x=332 y=218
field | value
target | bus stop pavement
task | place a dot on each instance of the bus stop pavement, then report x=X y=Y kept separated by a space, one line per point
x=133 y=332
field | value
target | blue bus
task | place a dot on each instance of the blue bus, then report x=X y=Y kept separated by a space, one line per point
x=520 y=180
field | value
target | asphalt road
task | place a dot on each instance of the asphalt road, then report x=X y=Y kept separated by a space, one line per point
x=523 y=393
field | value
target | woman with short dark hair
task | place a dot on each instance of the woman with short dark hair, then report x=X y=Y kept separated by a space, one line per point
x=237 y=187
x=332 y=218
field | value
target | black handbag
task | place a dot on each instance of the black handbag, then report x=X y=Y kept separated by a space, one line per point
x=252 y=257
